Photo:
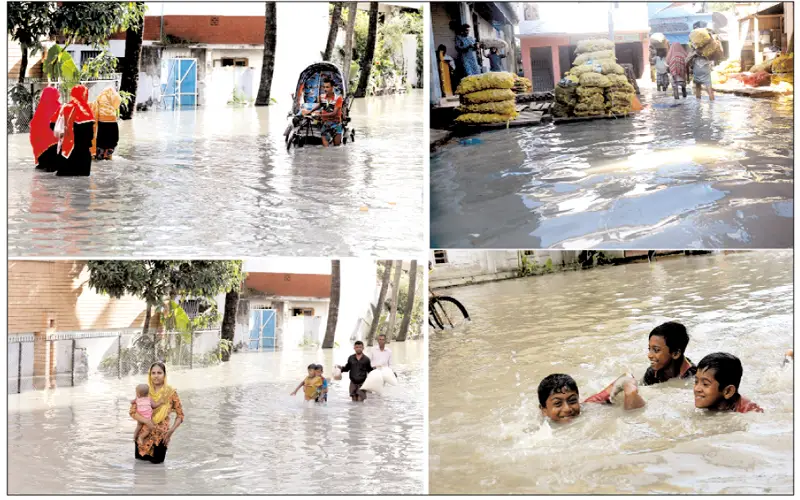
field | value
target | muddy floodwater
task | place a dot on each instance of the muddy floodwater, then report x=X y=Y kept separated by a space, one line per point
x=243 y=433
x=680 y=174
x=211 y=182
x=487 y=434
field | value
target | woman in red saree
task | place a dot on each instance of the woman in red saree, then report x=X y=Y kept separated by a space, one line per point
x=154 y=446
x=78 y=134
x=43 y=140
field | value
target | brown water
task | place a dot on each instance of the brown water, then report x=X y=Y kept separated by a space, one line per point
x=219 y=182
x=243 y=433
x=487 y=434
x=680 y=174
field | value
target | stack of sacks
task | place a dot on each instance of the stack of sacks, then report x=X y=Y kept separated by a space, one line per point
x=722 y=72
x=566 y=97
x=783 y=69
x=522 y=85
x=487 y=98
x=705 y=44
x=603 y=86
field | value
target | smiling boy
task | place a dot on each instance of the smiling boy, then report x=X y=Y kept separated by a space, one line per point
x=666 y=347
x=560 y=402
x=716 y=385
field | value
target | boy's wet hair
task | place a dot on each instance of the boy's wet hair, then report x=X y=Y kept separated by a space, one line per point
x=554 y=384
x=674 y=334
x=727 y=369
x=358 y=342
x=312 y=366
x=142 y=389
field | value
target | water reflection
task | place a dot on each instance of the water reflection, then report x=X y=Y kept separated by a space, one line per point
x=486 y=430
x=219 y=181
x=243 y=434
x=611 y=183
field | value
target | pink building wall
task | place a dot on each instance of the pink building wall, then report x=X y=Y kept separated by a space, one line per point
x=554 y=42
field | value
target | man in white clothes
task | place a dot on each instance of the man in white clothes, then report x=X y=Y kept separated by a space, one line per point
x=382 y=355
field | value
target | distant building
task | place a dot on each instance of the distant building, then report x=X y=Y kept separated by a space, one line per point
x=548 y=43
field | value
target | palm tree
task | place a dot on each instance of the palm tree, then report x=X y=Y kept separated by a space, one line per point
x=130 y=64
x=350 y=30
x=412 y=288
x=366 y=60
x=378 y=311
x=336 y=19
x=398 y=272
x=333 y=308
x=268 y=63
x=229 y=317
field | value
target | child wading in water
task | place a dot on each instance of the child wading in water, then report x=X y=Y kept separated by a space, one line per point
x=144 y=407
x=716 y=386
x=311 y=384
x=666 y=346
x=560 y=402
x=322 y=394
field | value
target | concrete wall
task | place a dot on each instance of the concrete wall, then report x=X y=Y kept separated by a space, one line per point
x=60 y=288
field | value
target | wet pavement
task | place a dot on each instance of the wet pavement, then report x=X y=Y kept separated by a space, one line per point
x=680 y=174
x=214 y=182
x=487 y=433
x=243 y=433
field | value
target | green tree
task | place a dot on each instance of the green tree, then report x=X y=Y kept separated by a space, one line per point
x=336 y=18
x=369 y=52
x=229 y=318
x=268 y=62
x=130 y=64
x=28 y=24
x=92 y=23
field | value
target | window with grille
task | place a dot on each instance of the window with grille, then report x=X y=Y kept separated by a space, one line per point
x=440 y=256
x=233 y=61
x=214 y=21
x=302 y=311
x=89 y=54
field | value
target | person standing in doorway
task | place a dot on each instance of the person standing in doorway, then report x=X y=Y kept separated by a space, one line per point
x=468 y=49
x=381 y=355
x=359 y=366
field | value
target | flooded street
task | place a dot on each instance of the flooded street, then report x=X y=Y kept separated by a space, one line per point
x=680 y=174
x=212 y=182
x=243 y=433
x=487 y=434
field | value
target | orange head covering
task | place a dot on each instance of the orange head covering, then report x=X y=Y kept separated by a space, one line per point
x=41 y=135
x=76 y=112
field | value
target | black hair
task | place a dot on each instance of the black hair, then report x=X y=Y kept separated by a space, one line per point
x=553 y=384
x=327 y=79
x=320 y=368
x=160 y=365
x=358 y=342
x=441 y=48
x=727 y=369
x=312 y=366
x=674 y=334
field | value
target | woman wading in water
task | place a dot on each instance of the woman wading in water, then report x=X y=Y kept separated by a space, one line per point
x=154 y=446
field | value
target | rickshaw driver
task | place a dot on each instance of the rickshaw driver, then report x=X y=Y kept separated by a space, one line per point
x=330 y=112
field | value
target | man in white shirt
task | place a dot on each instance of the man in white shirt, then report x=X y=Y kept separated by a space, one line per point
x=382 y=355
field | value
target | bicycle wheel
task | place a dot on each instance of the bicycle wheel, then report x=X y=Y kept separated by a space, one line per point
x=449 y=312
x=433 y=318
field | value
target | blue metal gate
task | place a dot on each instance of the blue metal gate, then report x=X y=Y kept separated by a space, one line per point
x=262 y=329
x=180 y=89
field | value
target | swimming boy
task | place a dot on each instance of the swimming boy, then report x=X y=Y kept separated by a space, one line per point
x=144 y=407
x=560 y=402
x=666 y=347
x=311 y=383
x=716 y=385
x=322 y=395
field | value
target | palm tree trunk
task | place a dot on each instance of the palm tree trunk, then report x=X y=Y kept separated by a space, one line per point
x=366 y=59
x=350 y=30
x=333 y=31
x=378 y=311
x=409 y=309
x=268 y=63
x=229 y=319
x=130 y=66
x=398 y=272
x=23 y=62
x=333 y=308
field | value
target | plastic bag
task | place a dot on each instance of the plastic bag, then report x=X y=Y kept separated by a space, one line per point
x=594 y=56
x=583 y=68
x=777 y=78
x=561 y=110
x=594 y=80
x=485 y=81
x=619 y=80
x=783 y=64
x=566 y=95
x=699 y=37
x=711 y=49
x=764 y=66
x=610 y=67
x=337 y=373
x=374 y=382
x=592 y=101
x=477 y=118
x=594 y=45
x=389 y=377
x=493 y=95
x=500 y=108
x=585 y=92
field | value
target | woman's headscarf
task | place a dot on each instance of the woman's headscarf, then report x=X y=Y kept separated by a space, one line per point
x=41 y=135
x=160 y=396
x=108 y=103
x=76 y=112
x=676 y=60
